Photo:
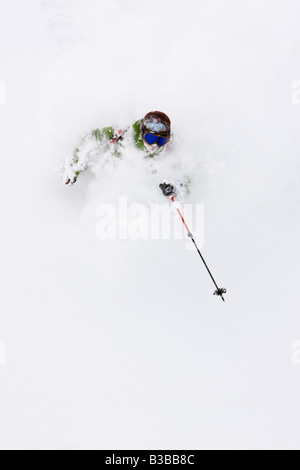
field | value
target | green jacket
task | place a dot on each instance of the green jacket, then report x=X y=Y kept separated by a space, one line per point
x=99 y=141
x=110 y=142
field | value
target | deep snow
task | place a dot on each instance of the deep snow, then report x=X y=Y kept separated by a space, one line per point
x=121 y=344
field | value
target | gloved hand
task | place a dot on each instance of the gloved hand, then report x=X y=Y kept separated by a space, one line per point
x=71 y=181
x=168 y=189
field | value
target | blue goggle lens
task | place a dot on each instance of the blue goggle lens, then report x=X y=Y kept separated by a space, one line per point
x=155 y=139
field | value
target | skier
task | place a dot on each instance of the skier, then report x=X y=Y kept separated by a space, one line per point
x=151 y=135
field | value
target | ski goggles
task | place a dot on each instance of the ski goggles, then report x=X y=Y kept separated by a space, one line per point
x=155 y=139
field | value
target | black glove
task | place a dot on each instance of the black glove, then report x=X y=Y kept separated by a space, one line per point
x=72 y=180
x=168 y=189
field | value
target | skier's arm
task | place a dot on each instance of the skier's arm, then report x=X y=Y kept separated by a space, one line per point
x=86 y=153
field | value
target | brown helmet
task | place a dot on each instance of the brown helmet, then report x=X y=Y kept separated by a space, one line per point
x=157 y=122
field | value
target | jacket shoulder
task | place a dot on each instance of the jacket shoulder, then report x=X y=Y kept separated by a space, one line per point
x=138 y=134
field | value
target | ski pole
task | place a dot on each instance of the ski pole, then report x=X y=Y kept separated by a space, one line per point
x=219 y=290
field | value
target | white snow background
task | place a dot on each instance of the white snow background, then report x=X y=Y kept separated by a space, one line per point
x=121 y=344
